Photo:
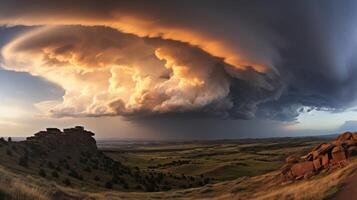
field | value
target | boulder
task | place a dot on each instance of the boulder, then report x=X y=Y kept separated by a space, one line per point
x=324 y=157
x=317 y=164
x=354 y=136
x=286 y=169
x=325 y=160
x=326 y=147
x=315 y=154
x=350 y=142
x=309 y=175
x=322 y=149
x=300 y=169
x=344 y=136
x=308 y=157
x=338 y=154
x=292 y=159
x=290 y=175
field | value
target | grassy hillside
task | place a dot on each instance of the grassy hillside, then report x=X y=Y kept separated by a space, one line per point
x=236 y=170
x=262 y=187
x=87 y=169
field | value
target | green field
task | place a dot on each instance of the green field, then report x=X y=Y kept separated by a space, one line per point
x=218 y=160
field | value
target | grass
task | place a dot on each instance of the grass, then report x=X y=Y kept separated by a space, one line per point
x=320 y=187
x=218 y=160
x=240 y=170
x=16 y=189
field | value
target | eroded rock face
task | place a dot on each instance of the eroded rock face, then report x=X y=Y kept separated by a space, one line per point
x=302 y=168
x=54 y=138
x=323 y=157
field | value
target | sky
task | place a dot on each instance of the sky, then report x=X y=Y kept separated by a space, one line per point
x=179 y=69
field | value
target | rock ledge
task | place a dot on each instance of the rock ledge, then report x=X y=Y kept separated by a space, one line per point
x=54 y=138
x=324 y=157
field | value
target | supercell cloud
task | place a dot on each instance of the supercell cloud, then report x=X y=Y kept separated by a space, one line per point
x=216 y=60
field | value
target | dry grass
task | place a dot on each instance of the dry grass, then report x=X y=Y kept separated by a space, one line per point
x=13 y=188
x=318 y=188
x=19 y=187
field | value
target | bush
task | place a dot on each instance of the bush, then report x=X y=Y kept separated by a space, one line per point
x=166 y=188
x=50 y=165
x=88 y=169
x=115 y=179
x=109 y=185
x=96 y=178
x=58 y=168
x=206 y=180
x=74 y=174
x=42 y=173
x=2 y=140
x=67 y=182
x=8 y=152
x=149 y=188
x=23 y=161
x=55 y=174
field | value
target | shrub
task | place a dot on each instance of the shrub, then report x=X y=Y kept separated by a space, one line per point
x=67 y=182
x=166 y=188
x=23 y=161
x=42 y=173
x=58 y=168
x=74 y=174
x=2 y=140
x=8 y=152
x=88 y=169
x=55 y=174
x=50 y=165
x=206 y=180
x=109 y=185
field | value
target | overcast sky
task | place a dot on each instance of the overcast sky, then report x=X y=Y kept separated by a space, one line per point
x=179 y=69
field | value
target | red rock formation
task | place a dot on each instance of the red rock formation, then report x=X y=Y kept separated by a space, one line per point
x=324 y=156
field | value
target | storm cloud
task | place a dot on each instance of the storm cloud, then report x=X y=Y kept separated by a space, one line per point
x=239 y=59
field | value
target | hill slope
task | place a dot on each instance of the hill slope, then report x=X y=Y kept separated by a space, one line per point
x=71 y=158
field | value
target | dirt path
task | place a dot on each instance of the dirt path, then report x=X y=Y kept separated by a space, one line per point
x=349 y=190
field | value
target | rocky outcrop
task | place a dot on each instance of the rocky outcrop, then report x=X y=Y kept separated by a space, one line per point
x=54 y=138
x=323 y=157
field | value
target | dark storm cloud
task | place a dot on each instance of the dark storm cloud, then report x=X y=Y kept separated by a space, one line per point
x=306 y=47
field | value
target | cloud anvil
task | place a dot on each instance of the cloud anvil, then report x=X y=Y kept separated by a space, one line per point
x=218 y=60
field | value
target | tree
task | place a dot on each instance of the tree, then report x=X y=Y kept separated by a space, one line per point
x=9 y=139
